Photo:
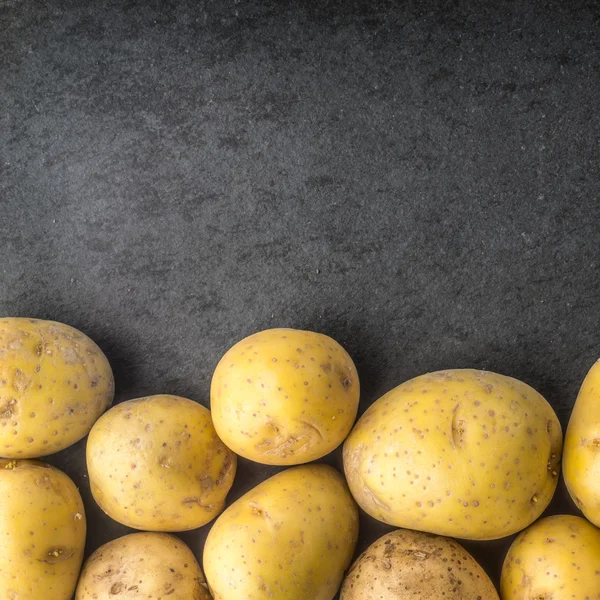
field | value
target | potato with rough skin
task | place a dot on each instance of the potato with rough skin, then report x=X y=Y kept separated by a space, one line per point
x=157 y=464
x=284 y=396
x=556 y=558
x=462 y=453
x=407 y=564
x=290 y=538
x=43 y=527
x=581 y=456
x=54 y=383
x=141 y=566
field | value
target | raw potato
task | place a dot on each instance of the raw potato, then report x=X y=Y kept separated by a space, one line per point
x=54 y=384
x=284 y=396
x=462 y=453
x=43 y=527
x=157 y=464
x=142 y=566
x=412 y=565
x=556 y=558
x=290 y=538
x=581 y=458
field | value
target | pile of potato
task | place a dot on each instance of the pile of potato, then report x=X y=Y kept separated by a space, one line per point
x=452 y=454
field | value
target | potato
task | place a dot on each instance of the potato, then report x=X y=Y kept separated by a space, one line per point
x=141 y=566
x=581 y=458
x=409 y=564
x=557 y=557
x=54 y=384
x=462 y=453
x=284 y=396
x=157 y=464
x=43 y=527
x=290 y=538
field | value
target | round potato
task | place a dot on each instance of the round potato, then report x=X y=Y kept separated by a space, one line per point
x=54 y=384
x=290 y=538
x=141 y=566
x=581 y=457
x=43 y=532
x=284 y=396
x=406 y=564
x=157 y=464
x=462 y=453
x=557 y=557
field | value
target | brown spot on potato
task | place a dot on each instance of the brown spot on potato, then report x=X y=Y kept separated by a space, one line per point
x=116 y=588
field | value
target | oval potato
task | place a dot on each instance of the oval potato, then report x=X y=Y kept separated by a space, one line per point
x=141 y=566
x=463 y=453
x=157 y=464
x=54 y=383
x=406 y=564
x=557 y=557
x=290 y=538
x=43 y=526
x=581 y=457
x=284 y=396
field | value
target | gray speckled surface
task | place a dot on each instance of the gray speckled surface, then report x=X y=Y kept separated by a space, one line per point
x=419 y=180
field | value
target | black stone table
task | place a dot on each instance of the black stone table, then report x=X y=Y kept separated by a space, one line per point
x=418 y=179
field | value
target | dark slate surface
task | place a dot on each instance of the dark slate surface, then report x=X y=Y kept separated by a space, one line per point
x=419 y=180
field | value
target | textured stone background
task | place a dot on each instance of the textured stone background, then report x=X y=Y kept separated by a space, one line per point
x=419 y=180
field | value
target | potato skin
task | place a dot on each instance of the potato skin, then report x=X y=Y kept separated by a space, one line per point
x=290 y=538
x=43 y=526
x=557 y=557
x=581 y=457
x=284 y=396
x=157 y=464
x=141 y=566
x=413 y=565
x=54 y=383
x=462 y=453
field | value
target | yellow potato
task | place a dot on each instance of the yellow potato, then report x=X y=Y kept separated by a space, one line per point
x=556 y=558
x=43 y=532
x=581 y=458
x=54 y=384
x=284 y=396
x=290 y=538
x=157 y=464
x=406 y=564
x=463 y=453
x=142 y=566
